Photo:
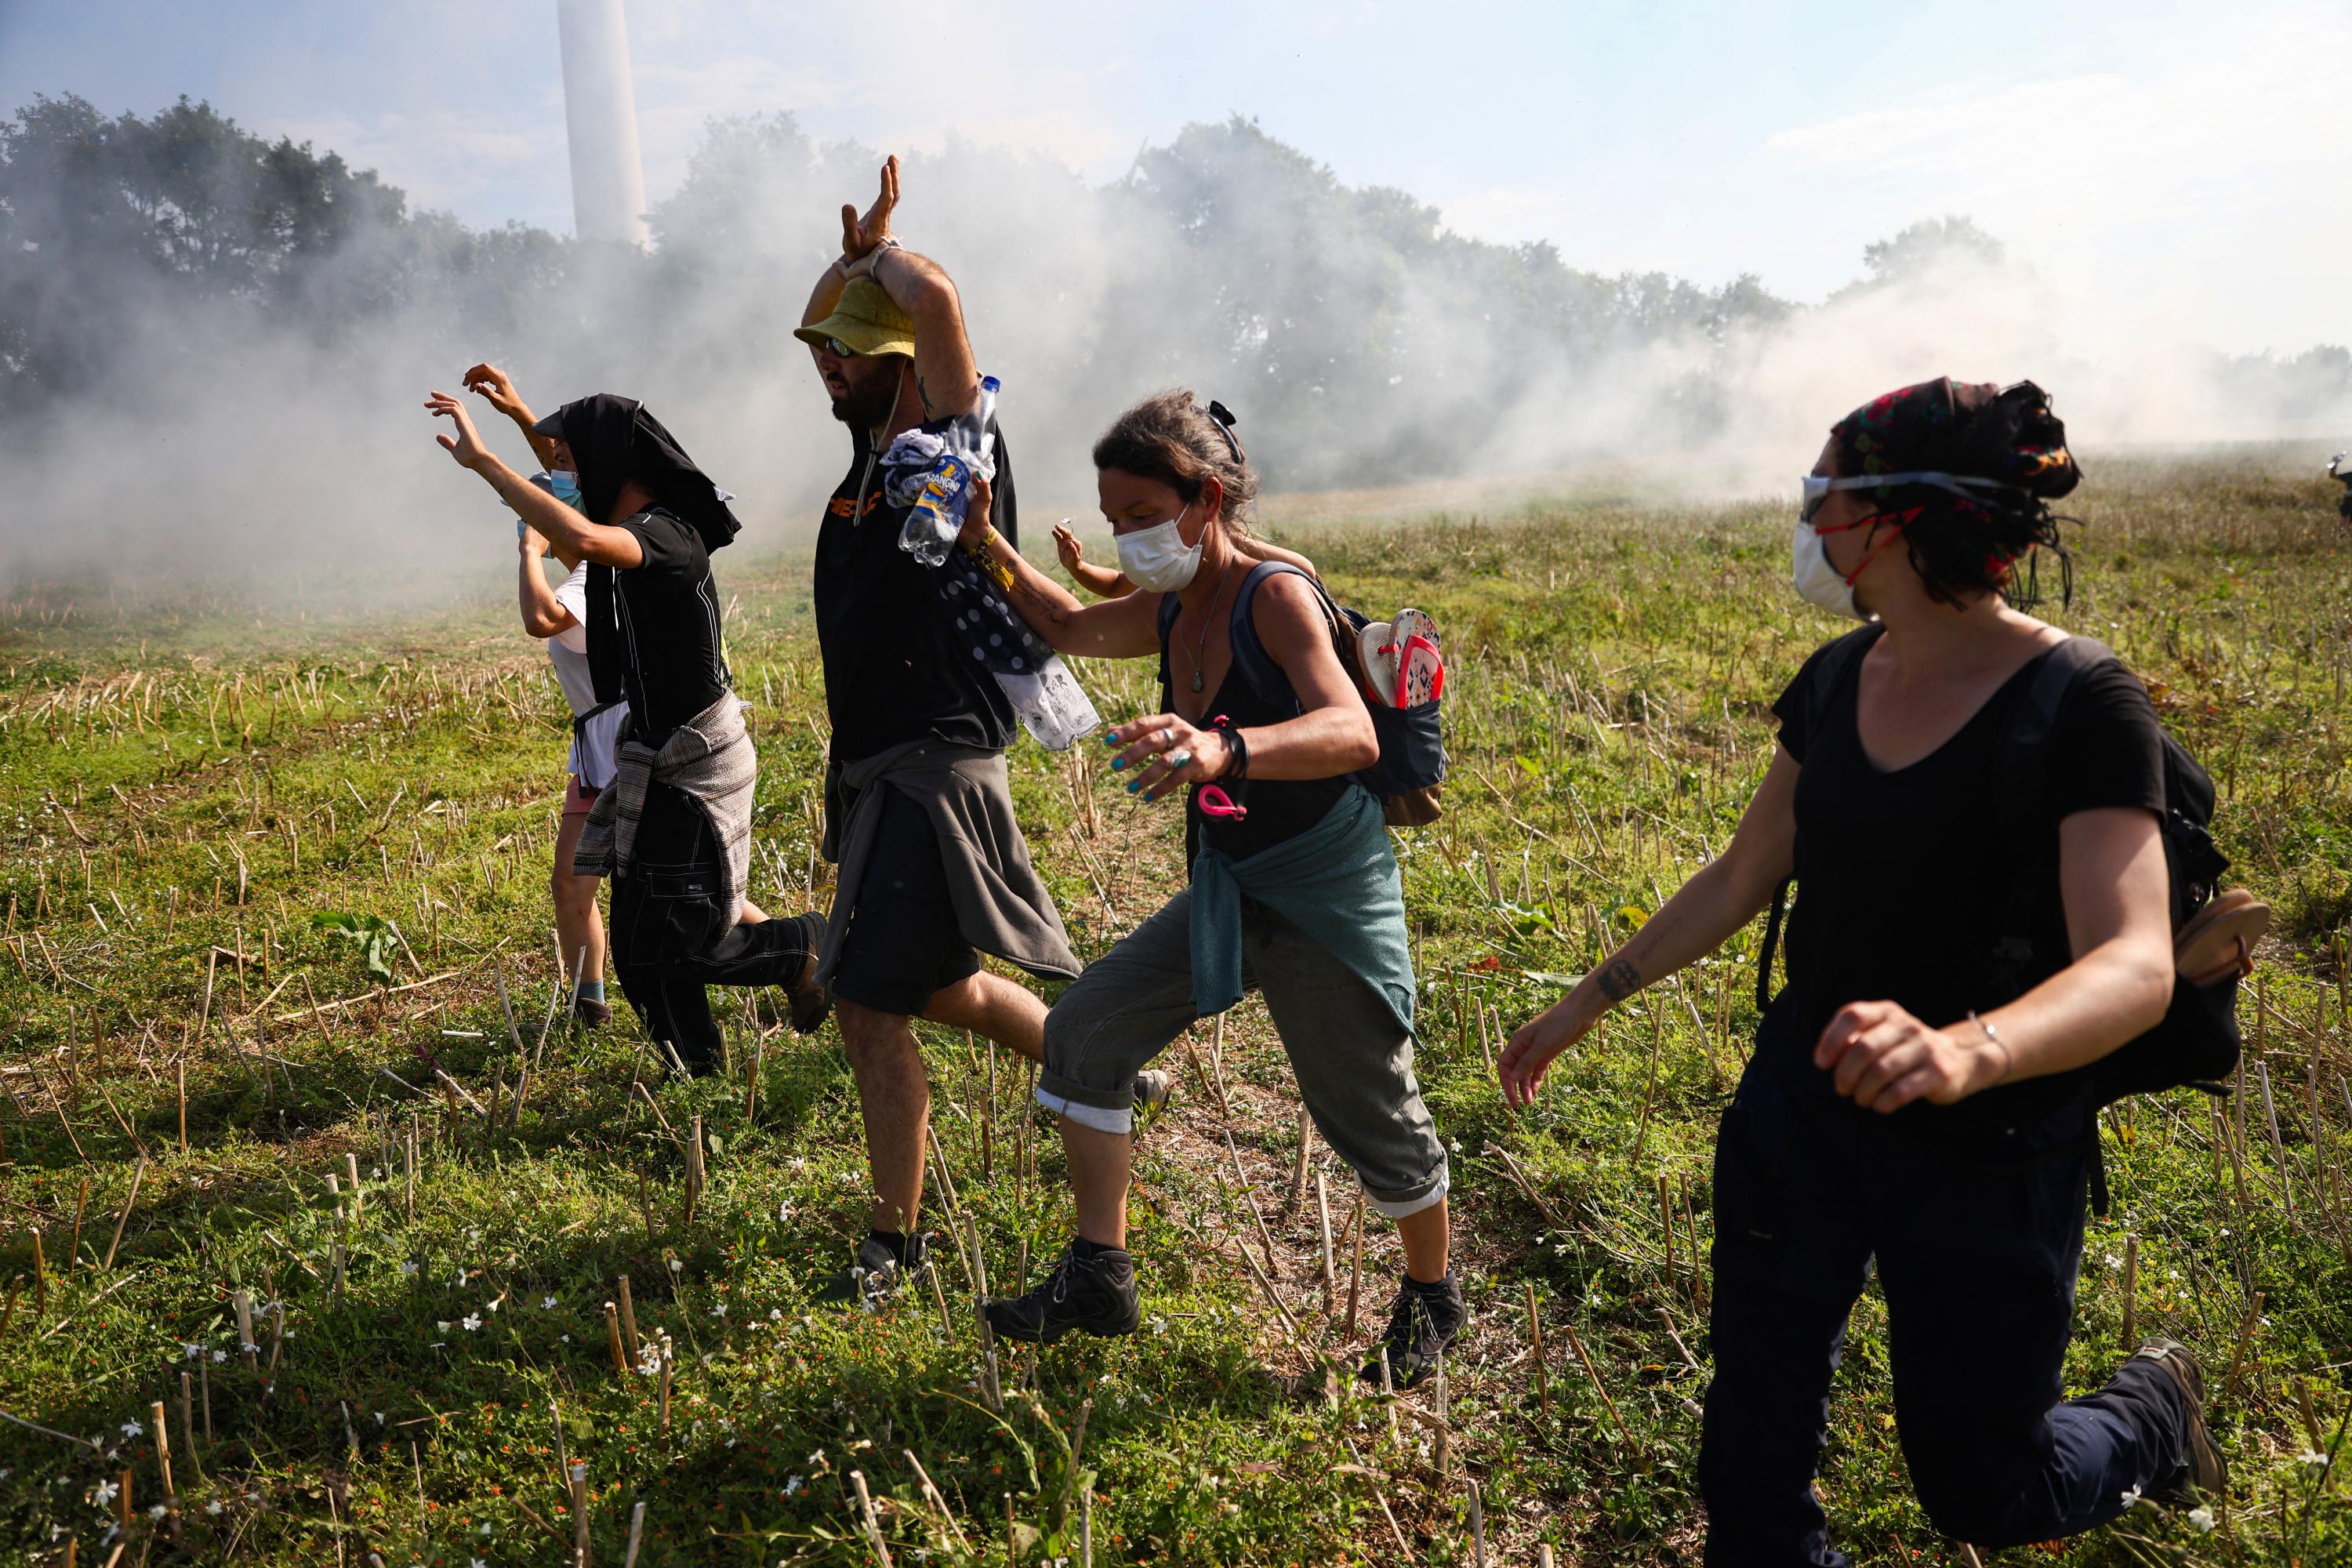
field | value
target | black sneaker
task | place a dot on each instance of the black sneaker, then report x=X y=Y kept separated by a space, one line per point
x=2205 y=1470
x=1423 y=1321
x=1096 y=1293
x=874 y=1272
x=811 y=1002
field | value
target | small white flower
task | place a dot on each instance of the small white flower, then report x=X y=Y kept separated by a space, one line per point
x=485 y=1529
x=675 y=1266
x=775 y=1314
x=547 y=1304
x=132 y=1429
x=156 y=1510
x=408 y=1270
x=567 y=1339
x=783 y=1213
x=791 y=1485
x=2313 y=1457
x=473 y=1321
x=2131 y=1496
x=476 y=1562
x=192 y=1350
x=2201 y=1519
x=442 y=1324
x=105 y=1493
x=719 y=1310
x=213 y=1507
x=219 y=1356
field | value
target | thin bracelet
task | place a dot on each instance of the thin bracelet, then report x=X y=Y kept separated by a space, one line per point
x=2008 y=1061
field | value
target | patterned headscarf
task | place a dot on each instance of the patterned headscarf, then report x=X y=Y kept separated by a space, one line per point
x=1960 y=428
x=2007 y=435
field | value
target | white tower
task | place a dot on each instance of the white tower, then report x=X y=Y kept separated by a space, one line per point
x=600 y=112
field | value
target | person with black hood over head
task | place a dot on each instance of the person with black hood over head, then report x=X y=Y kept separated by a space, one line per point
x=673 y=831
x=1922 y=1099
x=918 y=808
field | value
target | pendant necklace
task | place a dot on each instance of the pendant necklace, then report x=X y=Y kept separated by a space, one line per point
x=1202 y=642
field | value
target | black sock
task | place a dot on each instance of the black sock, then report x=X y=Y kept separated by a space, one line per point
x=1441 y=1286
x=1081 y=1248
x=891 y=1241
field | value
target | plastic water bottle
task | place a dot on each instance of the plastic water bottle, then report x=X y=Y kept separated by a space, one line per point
x=937 y=517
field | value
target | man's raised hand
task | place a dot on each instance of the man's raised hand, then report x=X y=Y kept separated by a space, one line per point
x=496 y=387
x=859 y=236
x=466 y=446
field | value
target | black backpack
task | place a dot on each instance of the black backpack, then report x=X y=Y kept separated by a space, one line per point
x=1410 y=776
x=2196 y=1045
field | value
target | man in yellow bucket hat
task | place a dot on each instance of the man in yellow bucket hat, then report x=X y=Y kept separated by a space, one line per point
x=918 y=812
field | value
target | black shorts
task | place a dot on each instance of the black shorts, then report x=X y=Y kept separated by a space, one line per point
x=902 y=942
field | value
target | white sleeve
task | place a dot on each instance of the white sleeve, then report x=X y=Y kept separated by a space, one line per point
x=572 y=595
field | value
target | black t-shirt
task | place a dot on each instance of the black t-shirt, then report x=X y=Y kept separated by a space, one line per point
x=893 y=672
x=665 y=619
x=1905 y=878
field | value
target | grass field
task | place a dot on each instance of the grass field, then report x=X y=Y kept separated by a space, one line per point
x=210 y=1098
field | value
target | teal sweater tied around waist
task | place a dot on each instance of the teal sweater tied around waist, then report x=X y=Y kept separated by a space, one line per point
x=1338 y=882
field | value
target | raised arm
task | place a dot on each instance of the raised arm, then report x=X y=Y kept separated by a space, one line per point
x=572 y=535
x=1100 y=581
x=1115 y=629
x=543 y=615
x=496 y=388
x=945 y=375
x=1720 y=897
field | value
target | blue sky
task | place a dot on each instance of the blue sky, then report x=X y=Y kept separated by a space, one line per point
x=2170 y=170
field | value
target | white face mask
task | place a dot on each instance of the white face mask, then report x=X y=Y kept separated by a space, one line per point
x=1157 y=560
x=1818 y=583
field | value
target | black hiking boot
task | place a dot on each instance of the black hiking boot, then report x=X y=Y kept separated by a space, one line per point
x=1423 y=1321
x=2205 y=1470
x=875 y=1272
x=1095 y=1292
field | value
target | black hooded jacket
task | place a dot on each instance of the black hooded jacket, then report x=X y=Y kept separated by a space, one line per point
x=653 y=629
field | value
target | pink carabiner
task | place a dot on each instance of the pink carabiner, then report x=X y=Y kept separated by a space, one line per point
x=1214 y=802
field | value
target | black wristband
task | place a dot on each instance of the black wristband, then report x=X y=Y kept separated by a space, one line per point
x=1236 y=753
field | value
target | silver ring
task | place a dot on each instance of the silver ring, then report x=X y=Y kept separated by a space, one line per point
x=1177 y=760
x=1166 y=738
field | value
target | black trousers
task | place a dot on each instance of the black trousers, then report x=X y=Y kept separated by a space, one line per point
x=671 y=936
x=1977 y=1252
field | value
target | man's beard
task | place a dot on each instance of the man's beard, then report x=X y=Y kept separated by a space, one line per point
x=869 y=404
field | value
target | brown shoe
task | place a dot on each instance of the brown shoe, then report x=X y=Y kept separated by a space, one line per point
x=2207 y=1471
x=591 y=1015
x=811 y=1002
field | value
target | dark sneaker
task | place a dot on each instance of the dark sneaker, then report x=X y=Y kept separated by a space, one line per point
x=1423 y=1321
x=591 y=1015
x=811 y=1002
x=1152 y=1087
x=2206 y=1471
x=874 y=1273
x=1095 y=1293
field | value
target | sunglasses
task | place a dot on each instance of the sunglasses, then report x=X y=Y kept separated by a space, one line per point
x=1817 y=487
x=839 y=349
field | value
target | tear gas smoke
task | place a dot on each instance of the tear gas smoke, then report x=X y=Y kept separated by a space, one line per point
x=166 y=413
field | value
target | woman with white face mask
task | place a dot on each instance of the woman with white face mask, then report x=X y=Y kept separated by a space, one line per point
x=1921 y=1097
x=1293 y=887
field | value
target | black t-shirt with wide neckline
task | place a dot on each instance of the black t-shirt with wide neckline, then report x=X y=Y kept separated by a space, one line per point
x=666 y=628
x=1906 y=875
x=894 y=671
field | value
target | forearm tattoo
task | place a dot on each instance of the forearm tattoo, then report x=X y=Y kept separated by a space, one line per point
x=1619 y=980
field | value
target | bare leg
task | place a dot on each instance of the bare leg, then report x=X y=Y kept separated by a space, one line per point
x=751 y=915
x=1099 y=1164
x=990 y=1004
x=1425 y=1236
x=895 y=1095
x=577 y=923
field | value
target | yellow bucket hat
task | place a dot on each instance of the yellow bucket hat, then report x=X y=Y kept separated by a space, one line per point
x=865 y=321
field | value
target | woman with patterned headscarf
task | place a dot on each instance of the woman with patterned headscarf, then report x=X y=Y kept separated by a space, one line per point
x=1912 y=1102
